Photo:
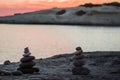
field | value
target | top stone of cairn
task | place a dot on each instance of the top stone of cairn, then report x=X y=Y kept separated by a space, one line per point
x=26 y=52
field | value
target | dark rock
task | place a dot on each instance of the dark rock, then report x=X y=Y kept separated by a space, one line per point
x=36 y=70
x=117 y=71
x=0 y=72
x=35 y=78
x=17 y=73
x=47 y=77
x=93 y=64
x=78 y=63
x=80 y=71
x=7 y=62
x=5 y=73
x=27 y=59
x=116 y=62
x=27 y=65
x=28 y=71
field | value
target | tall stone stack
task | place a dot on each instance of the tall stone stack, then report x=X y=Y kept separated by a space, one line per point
x=78 y=63
x=27 y=63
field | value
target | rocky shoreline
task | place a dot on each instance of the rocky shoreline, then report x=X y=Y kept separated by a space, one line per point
x=103 y=66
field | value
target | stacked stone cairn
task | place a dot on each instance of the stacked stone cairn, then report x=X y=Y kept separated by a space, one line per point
x=27 y=63
x=78 y=63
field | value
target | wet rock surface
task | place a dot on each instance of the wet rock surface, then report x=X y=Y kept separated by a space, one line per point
x=80 y=71
x=59 y=67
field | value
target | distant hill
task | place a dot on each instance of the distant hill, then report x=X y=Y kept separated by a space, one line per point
x=87 y=14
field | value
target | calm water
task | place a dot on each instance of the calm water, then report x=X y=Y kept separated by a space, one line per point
x=48 y=40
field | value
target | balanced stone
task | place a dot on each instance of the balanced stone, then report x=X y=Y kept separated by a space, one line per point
x=26 y=50
x=78 y=57
x=27 y=59
x=27 y=63
x=26 y=54
x=78 y=63
x=79 y=50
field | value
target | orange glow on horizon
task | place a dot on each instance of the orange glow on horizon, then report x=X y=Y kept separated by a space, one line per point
x=20 y=6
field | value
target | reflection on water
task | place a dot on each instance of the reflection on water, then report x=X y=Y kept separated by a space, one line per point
x=48 y=40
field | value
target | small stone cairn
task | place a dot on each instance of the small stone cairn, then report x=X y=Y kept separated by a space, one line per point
x=27 y=63
x=78 y=63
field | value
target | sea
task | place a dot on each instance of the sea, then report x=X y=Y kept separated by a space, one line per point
x=49 y=40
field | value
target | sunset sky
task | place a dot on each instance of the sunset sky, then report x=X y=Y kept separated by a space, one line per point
x=9 y=7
